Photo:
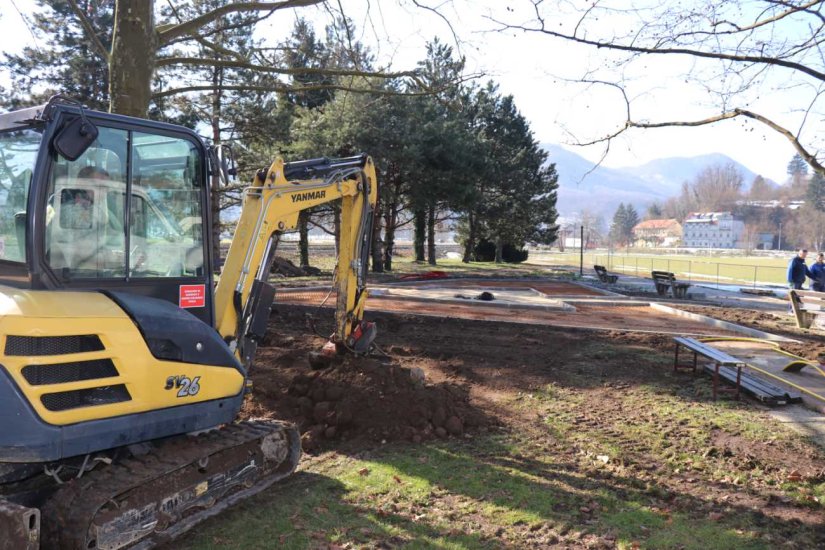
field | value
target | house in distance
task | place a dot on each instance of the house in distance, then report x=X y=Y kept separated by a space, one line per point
x=712 y=230
x=657 y=233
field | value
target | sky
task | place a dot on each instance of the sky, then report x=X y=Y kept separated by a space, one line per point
x=543 y=74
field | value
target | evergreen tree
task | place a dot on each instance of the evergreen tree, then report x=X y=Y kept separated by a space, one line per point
x=515 y=196
x=815 y=195
x=797 y=166
x=442 y=142
x=64 y=60
x=654 y=211
x=617 y=228
x=630 y=221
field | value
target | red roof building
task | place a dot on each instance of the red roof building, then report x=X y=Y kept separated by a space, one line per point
x=657 y=233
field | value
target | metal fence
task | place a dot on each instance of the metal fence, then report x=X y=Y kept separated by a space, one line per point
x=701 y=271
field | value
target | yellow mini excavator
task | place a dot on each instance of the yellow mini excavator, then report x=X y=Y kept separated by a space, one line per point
x=121 y=370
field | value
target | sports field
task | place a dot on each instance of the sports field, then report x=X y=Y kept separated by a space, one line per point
x=736 y=270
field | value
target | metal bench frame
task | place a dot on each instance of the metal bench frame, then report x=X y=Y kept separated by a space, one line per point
x=604 y=276
x=664 y=280
x=719 y=358
x=807 y=305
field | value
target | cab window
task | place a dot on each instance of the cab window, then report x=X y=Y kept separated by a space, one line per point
x=18 y=153
x=155 y=180
x=83 y=236
x=166 y=222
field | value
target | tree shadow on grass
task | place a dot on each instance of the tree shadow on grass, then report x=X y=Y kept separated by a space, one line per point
x=524 y=490
x=481 y=493
x=311 y=510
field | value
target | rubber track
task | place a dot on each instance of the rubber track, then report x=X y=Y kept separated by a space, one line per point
x=72 y=509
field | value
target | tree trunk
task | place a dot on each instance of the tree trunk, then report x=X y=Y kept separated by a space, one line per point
x=132 y=60
x=215 y=187
x=391 y=217
x=303 y=237
x=391 y=220
x=375 y=250
x=431 y=235
x=470 y=243
x=499 y=250
x=420 y=233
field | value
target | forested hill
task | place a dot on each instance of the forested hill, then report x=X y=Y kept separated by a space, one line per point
x=604 y=188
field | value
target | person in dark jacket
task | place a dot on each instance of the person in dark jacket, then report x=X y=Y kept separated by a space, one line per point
x=818 y=273
x=797 y=270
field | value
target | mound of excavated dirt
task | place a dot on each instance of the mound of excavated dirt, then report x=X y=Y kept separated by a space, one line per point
x=355 y=398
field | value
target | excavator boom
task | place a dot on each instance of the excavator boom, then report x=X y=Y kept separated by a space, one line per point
x=271 y=206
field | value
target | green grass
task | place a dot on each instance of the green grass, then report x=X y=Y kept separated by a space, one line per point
x=404 y=265
x=486 y=493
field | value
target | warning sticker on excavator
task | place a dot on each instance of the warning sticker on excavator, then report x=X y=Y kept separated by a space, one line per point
x=192 y=296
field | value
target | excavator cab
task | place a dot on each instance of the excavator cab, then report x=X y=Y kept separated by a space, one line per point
x=128 y=210
x=123 y=364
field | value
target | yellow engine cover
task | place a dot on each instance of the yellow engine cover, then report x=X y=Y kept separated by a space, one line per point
x=65 y=388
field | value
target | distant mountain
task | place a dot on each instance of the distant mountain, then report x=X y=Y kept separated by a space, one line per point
x=601 y=190
x=671 y=172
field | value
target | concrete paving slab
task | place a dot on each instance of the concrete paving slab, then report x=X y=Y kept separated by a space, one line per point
x=802 y=420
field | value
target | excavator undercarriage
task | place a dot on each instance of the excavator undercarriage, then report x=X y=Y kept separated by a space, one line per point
x=149 y=493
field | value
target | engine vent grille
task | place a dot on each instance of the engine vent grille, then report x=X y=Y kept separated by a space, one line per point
x=51 y=345
x=65 y=400
x=38 y=375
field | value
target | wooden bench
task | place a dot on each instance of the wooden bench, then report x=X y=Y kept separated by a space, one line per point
x=604 y=276
x=719 y=359
x=665 y=280
x=807 y=306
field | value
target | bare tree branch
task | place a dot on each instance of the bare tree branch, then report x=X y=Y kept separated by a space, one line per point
x=418 y=4
x=166 y=34
x=737 y=58
x=809 y=157
x=288 y=88
x=770 y=20
x=97 y=45
x=163 y=62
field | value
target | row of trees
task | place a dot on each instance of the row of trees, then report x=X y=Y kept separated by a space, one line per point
x=445 y=149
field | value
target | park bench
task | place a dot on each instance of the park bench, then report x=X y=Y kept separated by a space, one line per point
x=665 y=280
x=719 y=358
x=604 y=276
x=807 y=306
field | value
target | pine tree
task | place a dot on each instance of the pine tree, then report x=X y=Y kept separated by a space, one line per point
x=797 y=166
x=631 y=220
x=815 y=195
x=63 y=60
x=618 y=225
x=515 y=188
x=654 y=211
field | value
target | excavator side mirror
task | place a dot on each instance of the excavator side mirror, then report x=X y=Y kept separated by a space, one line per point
x=75 y=138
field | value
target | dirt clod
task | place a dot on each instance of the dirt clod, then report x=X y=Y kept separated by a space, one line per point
x=454 y=425
x=321 y=411
x=318 y=360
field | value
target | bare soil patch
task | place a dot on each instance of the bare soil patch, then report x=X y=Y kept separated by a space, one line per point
x=588 y=316
x=563 y=438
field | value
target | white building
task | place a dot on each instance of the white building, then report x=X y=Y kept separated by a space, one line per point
x=712 y=230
